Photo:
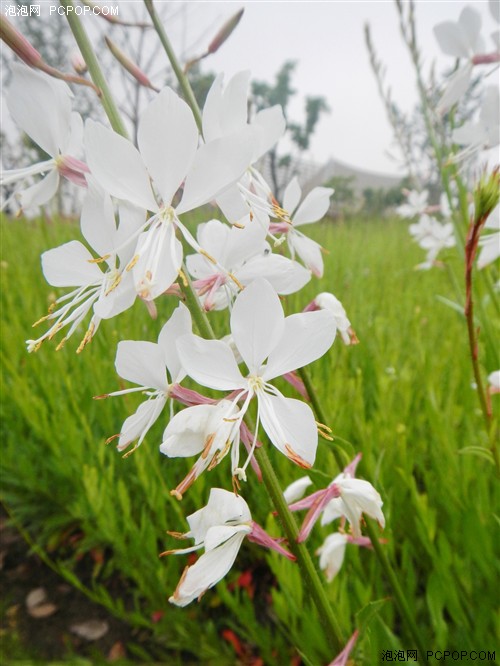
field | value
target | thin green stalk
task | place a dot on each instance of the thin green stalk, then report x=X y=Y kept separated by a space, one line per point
x=95 y=71
x=183 y=80
x=314 y=584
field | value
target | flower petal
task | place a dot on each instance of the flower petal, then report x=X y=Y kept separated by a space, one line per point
x=210 y=362
x=291 y=427
x=41 y=192
x=41 y=106
x=137 y=425
x=118 y=300
x=284 y=275
x=268 y=127
x=141 y=363
x=98 y=220
x=117 y=165
x=208 y=570
x=257 y=322
x=179 y=324
x=306 y=337
x=308 y=250
x=216 y=166
x=168 y=139
x=314 y=206
x=186 y=433
x=291 y=196
x=69 y=266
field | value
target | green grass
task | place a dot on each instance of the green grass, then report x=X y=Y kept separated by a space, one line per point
x=403 y=397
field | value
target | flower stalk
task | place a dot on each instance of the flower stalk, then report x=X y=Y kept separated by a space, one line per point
x=94 y=68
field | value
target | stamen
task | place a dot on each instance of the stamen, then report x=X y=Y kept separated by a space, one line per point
x=294 y=457
x=110 y=439
x=61 y=344
x=183 y=278
x=132 y=263
x=99 y=260
x=208 y=256
x=86 y=338
x=208 y=444
x=176 y=494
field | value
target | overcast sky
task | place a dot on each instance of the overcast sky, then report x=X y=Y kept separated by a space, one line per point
x=327 y=40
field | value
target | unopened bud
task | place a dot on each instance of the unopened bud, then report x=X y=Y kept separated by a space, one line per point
x=78 y=63
x=487 y=195
x=225 y=32
x=127 y=64
x=19 y=44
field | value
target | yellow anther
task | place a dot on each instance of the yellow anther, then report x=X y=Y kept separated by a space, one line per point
x=56 y=328
x=110 y=439
x=183 y=278
x=208 y=256
x=99 y=260
x=61 y=344
x=116 y=281
x=129 y=453
x=238 y=225
x=132 y=263
x=40 y=320
x=176 y=494
x=236 y=281
x=86 y=338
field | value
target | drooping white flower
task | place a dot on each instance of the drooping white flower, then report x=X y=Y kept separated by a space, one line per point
x=109 y=292
x=260 y=331
x=490 y=242
x=296 y=490
x=494 y=381
x=41 y=106
x=327 y=301
x=294 y=214
x=245 y=255
x=219 y=528
x=156 y=368
x=169 y=156
x=331 y=554
x=345 y=497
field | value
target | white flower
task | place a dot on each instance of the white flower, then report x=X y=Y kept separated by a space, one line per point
x=313 y=208
x=108 y=293
x=260 y=331
x=331 y=554
x=485 y=132
x=245 y=255
x=327 y=301
x=219 y=528
x=147 y=364
x=356 y=497
x=41 y=106
x=169 y=156
x=296 y=490
x=416 y=204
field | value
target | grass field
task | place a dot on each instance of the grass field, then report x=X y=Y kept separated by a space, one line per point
x=403 y=397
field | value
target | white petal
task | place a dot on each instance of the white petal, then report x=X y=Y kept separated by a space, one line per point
x=41 y=192
x=118 y=300
x=131 y=219
x=234 y=112
x=168 y=138
x=490 y=250
x=223 y=507
x=212 y=110
x=186 y=433
x=257 y=322
x=290 y=425
x=456 y=87
x=470 y=24
x=268 y=127
x=160 y=259
x=213 y=236
x=137 y=425
x=245 y=243
x=296 y=490
x=117 y=165
x=219 y=534
x=179 y=324
x=207 y=571
x=232 y=204
x=305 y=338
x=308 y=250
x=291 y=196
x=284 y=275
x=332 y=554
x=41 y=106
x=314 y=206
x=199 y=266
x=98 y=220
x=141 y=363
x=217 y=165
x=451 y=39
x=494 y=6
x=210 y=362
x=69 y=266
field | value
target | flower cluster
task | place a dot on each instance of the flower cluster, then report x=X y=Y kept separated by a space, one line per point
x=135 y=233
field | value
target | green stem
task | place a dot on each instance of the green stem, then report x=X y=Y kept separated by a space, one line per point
x=315 y=585
x=183 y=80
x=95 y=71
x=399 y=595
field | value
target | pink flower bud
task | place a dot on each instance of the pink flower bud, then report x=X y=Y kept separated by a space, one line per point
x=225 y=32
x=19 y=44
x=130 y=66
